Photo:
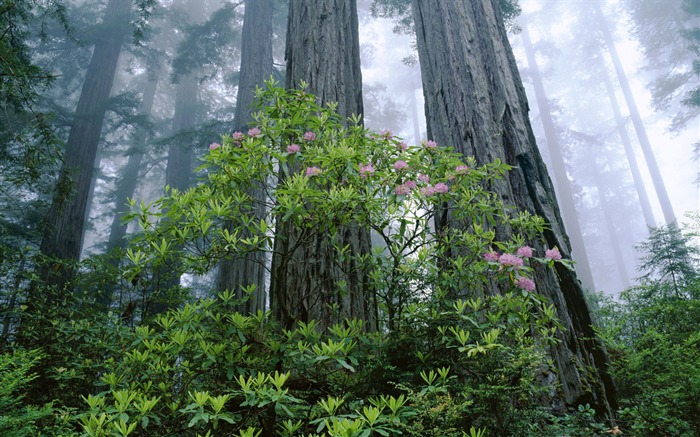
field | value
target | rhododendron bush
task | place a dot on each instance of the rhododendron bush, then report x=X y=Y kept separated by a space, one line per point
x=460 y=344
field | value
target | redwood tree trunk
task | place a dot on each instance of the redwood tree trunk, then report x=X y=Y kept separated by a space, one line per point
x=475 y=102
x=323 y=50
x=64 y=227
x=256 y=67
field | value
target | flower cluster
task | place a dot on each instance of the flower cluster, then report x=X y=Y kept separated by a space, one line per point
x=526 y=284
x=462 y=169
x=253 y=132
x=430 y=144
x=553 y=254
x=309 y=136
x=400 y=165
x=213 y=146
x=292 y=149
x=386 y=134
x=312 y=171
x=431 y=190
x=508 y=259
x=366 y=170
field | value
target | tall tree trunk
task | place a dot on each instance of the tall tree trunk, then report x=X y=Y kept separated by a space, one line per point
x=256 y=67
x=178 y=171
x=126 y=186
x=307 y=278
x=565 y=193
x=654 y=171
x=607 y=211
x=475 y=102
x=127 y=183
x=629 y=151
x=65 y=223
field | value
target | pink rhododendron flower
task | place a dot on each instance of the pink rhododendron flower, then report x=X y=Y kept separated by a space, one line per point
x=427 y=191
x=430 y=144
x=400 y=165
x=553 y=254
x=292 y=149
x=402 y=190
x=237 y=136
x=424 y=178
x=508 y=259
x=441 y=188
x=312 y=171
x=309 y=136
x=526 y=284
x=462 y=169
x=410 y=184
x=491 y=256
x=213 y=146
x=402 y=146
x=525 y=251
x=253 y=132
x=367 y=169
x=387 y=134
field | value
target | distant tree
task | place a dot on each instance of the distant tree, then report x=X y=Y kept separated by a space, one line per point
x=483 y=113
x=669 y=34
x=565 y=191
x=639 y=127
x=65 y=224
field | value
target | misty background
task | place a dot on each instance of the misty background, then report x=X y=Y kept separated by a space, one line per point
x=583 y=120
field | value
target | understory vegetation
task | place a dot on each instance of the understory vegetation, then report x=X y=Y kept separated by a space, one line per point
x=448 y=358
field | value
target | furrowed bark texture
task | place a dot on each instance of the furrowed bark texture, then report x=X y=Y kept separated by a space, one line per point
x=256 y=67
x=308 y=279
x=65 y=224
x=475 y=102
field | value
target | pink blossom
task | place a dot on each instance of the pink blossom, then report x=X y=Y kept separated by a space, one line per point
x=387 y=134
x=462 y=169
x=508 y=259
x=424 y=178
x=525 y=251
x=237 y=136
x=309 y=136
x=553 y=254
x=430 y=144
x=427 y=191
x=367 y=169
x=526 y=284
x=254 y=132
x=402 y=146
x=400 y=165
x=213 y=146
x=402 y=190
x=491 y=256
x=410 y=184
x=441 y=188
x=292 y=149
x=312 y=171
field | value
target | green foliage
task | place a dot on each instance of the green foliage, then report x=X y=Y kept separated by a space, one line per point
x=449 y=357
x=651 y=333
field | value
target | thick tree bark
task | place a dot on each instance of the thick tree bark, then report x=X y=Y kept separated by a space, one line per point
x=256 y=67
x=565 y=192
x=475 y=102
x=65 y=223
x=308 y=281
x=653 y=166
